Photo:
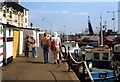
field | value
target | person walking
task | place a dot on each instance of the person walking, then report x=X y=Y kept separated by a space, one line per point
x=34 y=47
x=55 y=46
x=45 y=46
x=27 y=45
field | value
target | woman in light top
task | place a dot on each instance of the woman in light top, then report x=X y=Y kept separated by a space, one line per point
x=57 y=40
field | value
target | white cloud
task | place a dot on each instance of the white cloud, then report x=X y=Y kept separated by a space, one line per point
x=65 y=12
x=80 y=13
x=48 y=12
x=43 y=7
x=62 y=12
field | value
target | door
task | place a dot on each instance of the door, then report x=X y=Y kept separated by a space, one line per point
x=15 y=43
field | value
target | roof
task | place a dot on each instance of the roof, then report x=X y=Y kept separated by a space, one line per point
x=20 y=28
x=102 y=48
x=15 y=6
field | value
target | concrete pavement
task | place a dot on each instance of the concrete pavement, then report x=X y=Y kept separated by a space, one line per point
x=29 y=68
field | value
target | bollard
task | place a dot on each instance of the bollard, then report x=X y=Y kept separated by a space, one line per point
x=69 y=61
x=83 y=75
x=68 y=52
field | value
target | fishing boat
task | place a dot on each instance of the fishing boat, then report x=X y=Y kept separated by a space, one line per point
x=98 y=68
x=102 y=68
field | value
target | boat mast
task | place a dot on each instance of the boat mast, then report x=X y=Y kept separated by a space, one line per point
x=101 y=32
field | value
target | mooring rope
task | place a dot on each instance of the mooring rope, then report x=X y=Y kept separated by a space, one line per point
x=84 y=64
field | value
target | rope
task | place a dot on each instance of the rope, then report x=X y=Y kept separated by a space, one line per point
x=75 y=60
x=88 y=71
x=84 y=64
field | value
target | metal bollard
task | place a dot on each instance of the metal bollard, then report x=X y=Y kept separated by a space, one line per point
x=83 y=76
x=69 y=67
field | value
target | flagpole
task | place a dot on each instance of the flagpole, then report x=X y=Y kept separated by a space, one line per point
x=101 y=32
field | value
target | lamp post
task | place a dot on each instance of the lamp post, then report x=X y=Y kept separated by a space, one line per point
x=64 y=28
x=49 y=23
x=31 y=24
x=101 y=32
x=64 y=33
x=50 y=27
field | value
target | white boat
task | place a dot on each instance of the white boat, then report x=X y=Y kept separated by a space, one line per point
x=72 y=45
x=73 y=48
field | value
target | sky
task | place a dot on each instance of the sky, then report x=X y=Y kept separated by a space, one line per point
x=71 y=17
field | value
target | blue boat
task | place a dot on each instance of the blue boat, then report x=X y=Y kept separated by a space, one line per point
x=98 y=68
x=100 y=65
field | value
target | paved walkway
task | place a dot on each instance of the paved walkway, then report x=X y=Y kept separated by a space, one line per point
x=23 y=68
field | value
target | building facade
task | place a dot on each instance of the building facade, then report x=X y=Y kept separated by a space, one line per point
x=13 y=13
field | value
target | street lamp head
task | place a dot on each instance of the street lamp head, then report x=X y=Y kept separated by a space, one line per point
x=31 y=24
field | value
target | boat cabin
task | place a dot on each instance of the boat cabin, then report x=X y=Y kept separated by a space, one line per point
x=102 y=57
x=72 y=46
x=73 y=49
x=117 y=52
x=88 y=52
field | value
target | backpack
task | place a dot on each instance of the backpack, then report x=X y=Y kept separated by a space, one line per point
x=53 y=45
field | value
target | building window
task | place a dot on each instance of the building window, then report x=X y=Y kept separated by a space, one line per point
x=22 y=18
x=4 y=13
x=25 y=12
x=18 y=17
x=25 y=20
x=7 y=10
x=10 y=14
x=18 y=24
x=21 y=24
